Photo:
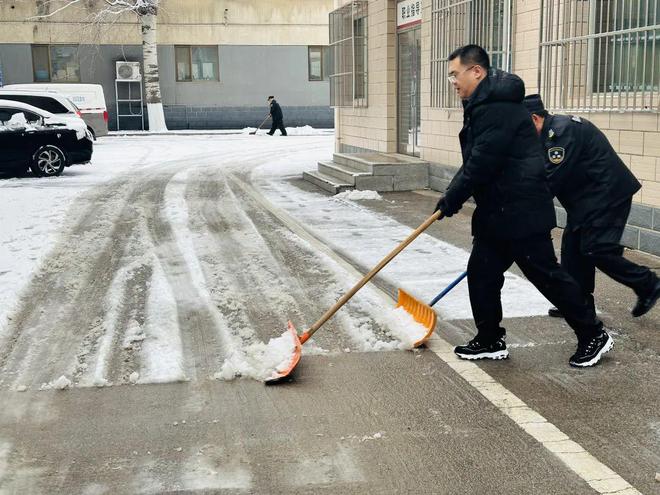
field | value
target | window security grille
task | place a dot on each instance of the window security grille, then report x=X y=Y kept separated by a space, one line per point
x=455 y=23
x=348 y=55
x=600 y=55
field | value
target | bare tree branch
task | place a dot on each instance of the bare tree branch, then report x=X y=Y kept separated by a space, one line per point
x=112 y=7
x=147 y=13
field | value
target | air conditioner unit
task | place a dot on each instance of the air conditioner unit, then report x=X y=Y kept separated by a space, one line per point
x=128 y=71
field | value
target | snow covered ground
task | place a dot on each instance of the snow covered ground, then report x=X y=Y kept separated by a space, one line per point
x=153 y=265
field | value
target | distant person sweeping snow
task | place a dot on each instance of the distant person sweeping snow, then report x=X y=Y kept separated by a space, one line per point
x=277 y=116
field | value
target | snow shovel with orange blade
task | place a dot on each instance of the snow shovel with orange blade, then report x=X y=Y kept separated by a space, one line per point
x=421 y=312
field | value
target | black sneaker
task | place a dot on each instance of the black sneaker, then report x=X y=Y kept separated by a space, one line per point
x=645 y=304
x=589 y=353
x=555 y=313
x=476 y=350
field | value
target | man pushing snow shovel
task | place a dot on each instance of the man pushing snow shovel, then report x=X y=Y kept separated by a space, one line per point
x=503 y=169
x=277 y=116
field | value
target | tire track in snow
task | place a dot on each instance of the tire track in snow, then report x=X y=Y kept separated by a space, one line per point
x=69 y=335
x=63 y=337
x=253 y=296
x=363 y=324
x=209 y=334
x=103 y=275
x=70 y=285
x=205 y=338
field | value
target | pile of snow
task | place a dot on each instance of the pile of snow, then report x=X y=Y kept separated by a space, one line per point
x=306 y=130
x=364 y=438
x=356 y=195
x=259 y=361
x=404 y=327
x=17 y=121
x=61 y=383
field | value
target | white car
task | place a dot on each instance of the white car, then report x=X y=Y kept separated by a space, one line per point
x=88 y=98
x=52 y=103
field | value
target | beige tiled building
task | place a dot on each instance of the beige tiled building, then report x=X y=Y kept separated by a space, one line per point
x=596 y=58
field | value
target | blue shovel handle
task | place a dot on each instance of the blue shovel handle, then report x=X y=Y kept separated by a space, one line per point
x=448 y=288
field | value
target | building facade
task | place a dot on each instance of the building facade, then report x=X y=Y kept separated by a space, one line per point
x=218 y=59
x=596 y=58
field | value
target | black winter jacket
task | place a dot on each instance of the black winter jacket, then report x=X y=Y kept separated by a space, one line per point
x=585 y=173
x=503 y=168
x=276 y=111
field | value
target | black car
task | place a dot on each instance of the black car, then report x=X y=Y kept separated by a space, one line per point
x=44 y=143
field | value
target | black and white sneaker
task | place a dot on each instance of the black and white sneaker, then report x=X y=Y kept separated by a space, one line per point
x=645 y=304
x=476 y=350
x=589 y=353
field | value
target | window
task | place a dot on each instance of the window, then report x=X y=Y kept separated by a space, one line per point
x=55 y=63
x=44 y=102
x=317 y=60
x=360 y=56
x=6 y=114
x=455 y=23
x=600 y=55
x=196 y=63
x=348 y=55
x=32 y=118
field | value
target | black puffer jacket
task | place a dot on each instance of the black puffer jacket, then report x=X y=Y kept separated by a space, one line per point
x=503 y=168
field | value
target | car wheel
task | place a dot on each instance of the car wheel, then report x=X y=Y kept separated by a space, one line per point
x=91 y=131
x=48 y=161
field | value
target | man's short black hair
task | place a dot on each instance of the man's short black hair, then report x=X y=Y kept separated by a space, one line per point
x=270 y=98
x=471 y=55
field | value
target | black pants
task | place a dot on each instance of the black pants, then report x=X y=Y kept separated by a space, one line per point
x=279 y=124
x=585 y=248
x=535 y=256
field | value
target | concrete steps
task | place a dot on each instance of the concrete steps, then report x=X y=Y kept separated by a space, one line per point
x=370 y=171
x=345 y=173
x=326 y=182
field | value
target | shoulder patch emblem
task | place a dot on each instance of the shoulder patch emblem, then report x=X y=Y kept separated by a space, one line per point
x=575 y=118
x=556 y=155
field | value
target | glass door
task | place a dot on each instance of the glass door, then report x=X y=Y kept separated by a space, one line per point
x=409 y=74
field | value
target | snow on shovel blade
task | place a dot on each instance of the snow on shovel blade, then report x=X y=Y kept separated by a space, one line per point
x=422 y=314
x=289 y=362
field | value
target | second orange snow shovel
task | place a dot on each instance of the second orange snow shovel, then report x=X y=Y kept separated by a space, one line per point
x=421 y=312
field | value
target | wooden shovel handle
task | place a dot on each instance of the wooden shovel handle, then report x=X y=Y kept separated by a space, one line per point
x=328 y=314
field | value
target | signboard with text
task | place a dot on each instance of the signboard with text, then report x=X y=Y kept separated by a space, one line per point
x=408 y=13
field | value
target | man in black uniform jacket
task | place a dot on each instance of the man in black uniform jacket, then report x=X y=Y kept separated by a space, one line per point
x=277 y=116
x=503 y=170
x=596 y=189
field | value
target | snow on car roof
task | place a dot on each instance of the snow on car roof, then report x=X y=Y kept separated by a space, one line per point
x=24 y=106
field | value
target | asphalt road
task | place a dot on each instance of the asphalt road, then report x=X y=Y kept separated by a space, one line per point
x=349 y=422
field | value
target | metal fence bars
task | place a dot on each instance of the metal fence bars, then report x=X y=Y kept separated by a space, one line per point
x=455 y=23
x=348 y=55
x=600 y=55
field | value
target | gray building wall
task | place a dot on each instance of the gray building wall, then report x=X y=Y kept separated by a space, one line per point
x=16 y=60
x=248 y=74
